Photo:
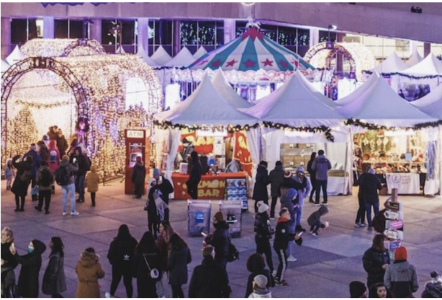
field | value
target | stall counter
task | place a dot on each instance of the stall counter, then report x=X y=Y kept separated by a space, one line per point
x=210 y=186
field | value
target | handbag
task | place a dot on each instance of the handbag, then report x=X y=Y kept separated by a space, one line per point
x=154 y=273
x=34 y=190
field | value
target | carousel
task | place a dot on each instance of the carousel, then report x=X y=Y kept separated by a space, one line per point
x=88 y=95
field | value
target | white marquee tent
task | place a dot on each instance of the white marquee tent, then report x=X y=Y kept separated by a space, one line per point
x=226 y=91
x=391 y=64
x=199 y=53
x=161 y=57
x=430 y=65
x=414 y=59
x=142 y=53
x=15 y=56
x=183 y=59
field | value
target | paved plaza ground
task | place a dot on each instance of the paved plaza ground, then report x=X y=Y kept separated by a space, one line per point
x=326 y=264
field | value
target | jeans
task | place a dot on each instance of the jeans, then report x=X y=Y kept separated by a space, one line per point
x=298 y=213
x=70 y=188
x=360 y=215
x=160 y=286
x=79 y=185
x=321 y=184
x=34 y=183
x=368 y=209
x=289 y=247
x=313 y=181
x=315 y=227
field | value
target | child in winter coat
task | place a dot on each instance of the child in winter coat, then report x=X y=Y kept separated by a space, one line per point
x=315 y=220
x=9 y=173
x=282 y=238
x=260 y=289
x=92 y=180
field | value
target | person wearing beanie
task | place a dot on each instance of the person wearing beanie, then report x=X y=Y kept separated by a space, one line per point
x=369 y=185
x=28 y=283
x=260 y=289
x=288 y=180
x=195 y=175
x=260 y=187
x=45 y=181
x=303 y=187
x=289 y=197
x=276 y=177
x=69 y=188
x=36 y=160
x=256 y=266
x=264 y=232
x=219 y=239
x=401 y=277
x=358 y=290
x=433 y=288
x=376 y=260
x=320 y=166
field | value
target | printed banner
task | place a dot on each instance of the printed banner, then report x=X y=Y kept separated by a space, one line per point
x=241 y=152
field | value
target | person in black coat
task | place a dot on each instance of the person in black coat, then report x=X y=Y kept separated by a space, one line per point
x=54 y=279
x=195 y=176
x=256 y=266
x=370 y=185
x=219 y=239
x=209 y=280
x=138 y=177
x=120 y=255
x=166 y=188
x=276 y=177
x=146 y=258
x=261 y=182
x=312 y=174
x=360 y=215
x=36 y=160
x=376 y=260
x=179 y=258
x=22 y=180
x=80 y=176
x=9 y=263
x=30 y=268
x=264 y=232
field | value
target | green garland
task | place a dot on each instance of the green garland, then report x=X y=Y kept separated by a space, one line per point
x=324 y=129
x=405 y=75
x=229 y=128
x=370 y=126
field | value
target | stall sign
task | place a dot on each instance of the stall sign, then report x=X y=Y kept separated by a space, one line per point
x=393 y=245
x=392 y=215
x=394 y=234
x=207 y=188
x=137 y=134
x=393 y=206
x=394 y=225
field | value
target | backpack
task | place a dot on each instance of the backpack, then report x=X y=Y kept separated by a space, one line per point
x=53 y=156
x=45 y=178
x=233 y=253
x=62 y=176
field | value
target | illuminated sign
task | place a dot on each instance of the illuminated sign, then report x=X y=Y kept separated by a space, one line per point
x=138 y=134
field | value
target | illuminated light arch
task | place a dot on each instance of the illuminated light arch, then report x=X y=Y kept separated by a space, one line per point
x=98 y=83
x=62 y=47
x=359 y=56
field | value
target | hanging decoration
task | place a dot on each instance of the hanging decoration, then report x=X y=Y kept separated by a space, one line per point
x=407 y=75
x=229 y=128
x=370 y=126
x=43 y=105
x=62 y=47
x=324 y=129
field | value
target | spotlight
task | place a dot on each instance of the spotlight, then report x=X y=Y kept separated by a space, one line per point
x=416 y=9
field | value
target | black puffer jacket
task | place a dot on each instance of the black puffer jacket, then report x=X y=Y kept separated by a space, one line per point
x=138 y=173
x=276 y=177
x=220 y=240
x=262 y=226
x=282 y=235
x=30 y=268
x=262 y=180
x=369 y=185
x=209 y=280
x=82 y=162
x=373 y=260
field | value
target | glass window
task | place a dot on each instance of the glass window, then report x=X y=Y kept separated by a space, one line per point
x=76 y=29
x=128 y=30
x=270 y=31
x=189 y=33
x=61 y=29
x=240 y=27
x=107 y=33
x=160 y=33
x=287 y=36
x=323 y=36
x=18 y=31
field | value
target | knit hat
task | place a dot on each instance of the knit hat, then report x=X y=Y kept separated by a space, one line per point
x=65 y=157
x=260 y=280
x=400 y=253
x=262 y=207
x=370 y=170
x=45 y=137
x=156 y=172
x=288 y=174
x=434 y=274
x=357 y=289
x=33 y=147
x=219 y=216
x=278 y=163
x=263 y=163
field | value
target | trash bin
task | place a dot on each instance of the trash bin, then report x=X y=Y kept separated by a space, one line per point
x=198 y=217
x=233 y=215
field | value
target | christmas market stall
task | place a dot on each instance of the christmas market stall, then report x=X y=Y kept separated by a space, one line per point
x=391 y=136
x=205 y=122
x=90 y=98
x=297 y=120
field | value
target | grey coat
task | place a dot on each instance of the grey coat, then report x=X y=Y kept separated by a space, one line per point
x=321 y=165
x=401 y=279
x=71 y=168
x=54 y=280
x=177 y=266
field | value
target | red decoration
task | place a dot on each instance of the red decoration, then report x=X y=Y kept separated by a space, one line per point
x=249 y=63
x=253 y=33
x=231 y=63
x=268 y=62
x=283 y=63
x=216 y=63
x=295 y=62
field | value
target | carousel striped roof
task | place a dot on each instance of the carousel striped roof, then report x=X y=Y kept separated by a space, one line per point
x=250 y=52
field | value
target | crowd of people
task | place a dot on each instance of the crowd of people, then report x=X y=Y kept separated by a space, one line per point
x=160 y=258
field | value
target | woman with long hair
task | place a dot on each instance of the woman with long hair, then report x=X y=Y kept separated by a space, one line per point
x=54 y=280
x=21 y=181
x=162 y=241
x=256 y=266
x=376 y=260
x=312 y=176
x=179 y=257
x=146 y=259
x=120 y=255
